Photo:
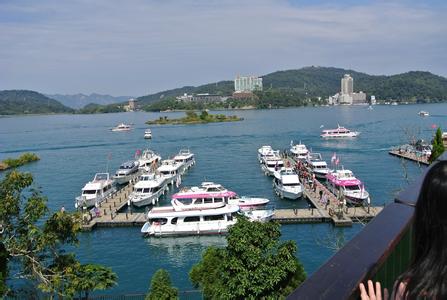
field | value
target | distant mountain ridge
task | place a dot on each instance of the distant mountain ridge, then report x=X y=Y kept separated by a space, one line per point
x=14 y=102
x=80 y=100
x=322 y=82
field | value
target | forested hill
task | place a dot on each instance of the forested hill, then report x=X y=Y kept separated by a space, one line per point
x=325 y=81
x=29 y=102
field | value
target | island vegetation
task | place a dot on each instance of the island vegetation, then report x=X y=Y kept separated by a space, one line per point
x=193 y=118
x=25 y=158
x=35 y=246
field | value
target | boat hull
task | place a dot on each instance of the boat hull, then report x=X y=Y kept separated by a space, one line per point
x=284 y=193
x=140 y=201
x=195 y=228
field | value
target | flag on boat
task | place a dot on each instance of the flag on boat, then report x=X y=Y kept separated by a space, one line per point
x=137 y=153
x=334 y=157
x=109 y=156
x=291 y=143
x=337 y=161
x=433 y=126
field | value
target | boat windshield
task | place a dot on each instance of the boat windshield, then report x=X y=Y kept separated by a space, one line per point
x=89 y=192
x=352 y=188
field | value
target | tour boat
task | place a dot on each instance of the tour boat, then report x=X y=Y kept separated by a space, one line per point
x=148 y=189
x=299 y=151
x=423 y=113
x=170 y=170
x=339 y=132
x=125 y=172
x=344 y=181
x=122 y=127
x=147 y=134
x=317 y=165
x=210 y=195
x=186 y=157
x=148 y=160
x=168 y=221
x=287 y=184
x=259 y=215
x=272 y=162
x=95 y=191
x=263 y=151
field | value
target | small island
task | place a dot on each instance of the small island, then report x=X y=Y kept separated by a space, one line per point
x=17 y=162
x=193 y=118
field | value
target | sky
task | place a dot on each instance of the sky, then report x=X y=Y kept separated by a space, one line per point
x=140 y=47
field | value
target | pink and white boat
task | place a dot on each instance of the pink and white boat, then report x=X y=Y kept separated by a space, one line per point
x=210 y=195
x=344 y=181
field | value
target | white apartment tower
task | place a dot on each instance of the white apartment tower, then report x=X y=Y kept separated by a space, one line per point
x=247 y=84
x=347 y=85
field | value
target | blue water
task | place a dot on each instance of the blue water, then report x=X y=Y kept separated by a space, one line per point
x=74 y=147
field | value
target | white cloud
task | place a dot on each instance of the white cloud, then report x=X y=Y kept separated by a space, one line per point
x=137 y=47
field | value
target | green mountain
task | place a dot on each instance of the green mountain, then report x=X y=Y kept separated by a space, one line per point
x=294 y=87
x=29 y=102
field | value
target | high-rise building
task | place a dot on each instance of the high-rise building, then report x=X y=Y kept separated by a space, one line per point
x=347 y=85
x=247 y=84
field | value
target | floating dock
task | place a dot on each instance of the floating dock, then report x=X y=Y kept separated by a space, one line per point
x=410 y=156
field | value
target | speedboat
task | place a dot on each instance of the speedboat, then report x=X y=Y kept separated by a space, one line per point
x=263 y=151
x=317 y=165
x=95 y=191
x=259 y=215
x=148 y=189
x=339 y=132
x=272 y=162
x=125 y=172
x=147 y=134
x=344 y=182
x=423 y=113
x=170 y=170
x=299 y=151
x=168 y=221
x=287 y=184
x=186 y=157
x=148 y=160
x=122 y=127
x=210 y=195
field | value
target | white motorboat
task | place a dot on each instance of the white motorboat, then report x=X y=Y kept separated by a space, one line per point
x=344 y=181
x=272 y=162
x=299 y=151
x=167 y=221
x=148 y=134
x=148 y=189
x=287 y=184
x=95 y=191
x=263 y=151
x=423 y=113
x=339 y=132
x=259 y=215
x=170 y=170
x=210 y=195
x=125 y=172
x=317 y=165
x=186 y=157
x=148 y=160
x=122 y=127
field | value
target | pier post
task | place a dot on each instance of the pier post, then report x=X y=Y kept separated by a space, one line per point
x=312 y=211
x=127 y=217
x=105 y=213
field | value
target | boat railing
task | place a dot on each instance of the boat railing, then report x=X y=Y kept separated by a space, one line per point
x=381 y=252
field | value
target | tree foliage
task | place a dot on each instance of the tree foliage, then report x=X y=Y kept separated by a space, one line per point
x=254 y=264
x=437 y=145
x=34 y=241
x=161 y=288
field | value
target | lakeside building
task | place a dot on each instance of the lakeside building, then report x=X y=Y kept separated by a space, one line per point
x=203 y=97
x=131 y=106
x=247 y=84
x=347 y=96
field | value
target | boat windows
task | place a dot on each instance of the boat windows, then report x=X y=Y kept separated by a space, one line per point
x=214 y=218
x=208 y=200
x=174 y=221
x=158 y=221
x=89 y=192
x=146 y=190
x=291 y=184
x=352 y=187
x=192 y=219
x=218 y=200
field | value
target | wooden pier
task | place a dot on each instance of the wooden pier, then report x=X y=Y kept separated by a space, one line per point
x=410 y=156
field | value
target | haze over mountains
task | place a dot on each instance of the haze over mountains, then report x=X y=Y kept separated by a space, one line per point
x=80 y=100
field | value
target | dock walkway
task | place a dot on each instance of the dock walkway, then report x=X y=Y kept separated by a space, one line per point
x=410 y=156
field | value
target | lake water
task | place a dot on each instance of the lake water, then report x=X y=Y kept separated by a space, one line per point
x=75 y=147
